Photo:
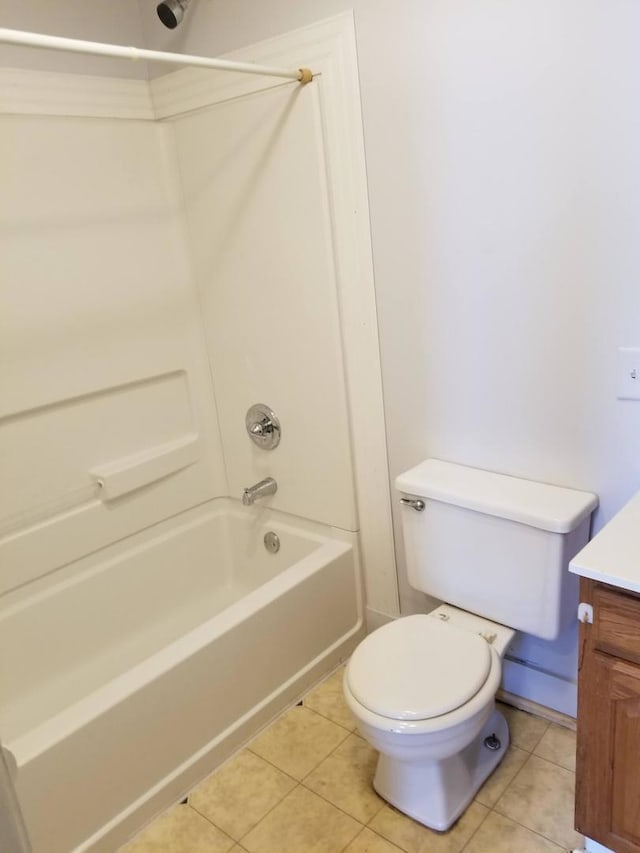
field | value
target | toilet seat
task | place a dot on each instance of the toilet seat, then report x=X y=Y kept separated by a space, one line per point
x=401 y=728
x=418 y=668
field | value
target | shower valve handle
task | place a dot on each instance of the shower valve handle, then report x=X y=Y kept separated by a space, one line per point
x=263 y=427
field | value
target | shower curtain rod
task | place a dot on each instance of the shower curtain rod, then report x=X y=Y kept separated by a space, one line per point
x=95 y=48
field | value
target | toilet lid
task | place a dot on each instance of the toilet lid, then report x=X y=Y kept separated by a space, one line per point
x=417 y=668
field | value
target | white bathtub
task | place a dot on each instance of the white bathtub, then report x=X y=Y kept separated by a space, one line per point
x=150 y=661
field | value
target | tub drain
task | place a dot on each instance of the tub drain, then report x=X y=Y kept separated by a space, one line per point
x=492 y=742
x=272 y=542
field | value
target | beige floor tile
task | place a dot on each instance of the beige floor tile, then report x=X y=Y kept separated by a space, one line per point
x=178 y=830
x=526 y=729
x=345 y=779
x=541 y=797
x=328 y=699
x=240 y=793
x=558 y=744
x=415 y=838
x=497 y=783
x=498 y=834
x=302 y=823
x=370 y=842
x=298 y=741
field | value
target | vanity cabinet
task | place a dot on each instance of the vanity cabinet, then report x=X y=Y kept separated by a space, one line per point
x=608 y=753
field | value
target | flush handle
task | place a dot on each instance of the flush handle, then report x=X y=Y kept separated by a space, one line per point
x=414 y=503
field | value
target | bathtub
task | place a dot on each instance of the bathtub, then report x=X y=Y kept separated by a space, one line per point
x=150 y=661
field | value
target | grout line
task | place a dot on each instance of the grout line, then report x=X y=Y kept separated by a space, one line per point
x=554 y=841
x=517 y=822
x=475 y=831
x=518 y=772
x=275 y=805
x=509 y=817
x=301 y=782
x=342 y=849
x=328 y=755
x=215 y=825
x=387 y=840
x=529 y=751
x=555 y=763
x=324 y=716
x=329 y=719
x=266 y=815
x=300 y=785
x=340 y=809
x=275 y=767
x=315 y=766
x=551 y=760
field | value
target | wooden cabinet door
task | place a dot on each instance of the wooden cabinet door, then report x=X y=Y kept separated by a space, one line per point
x=608 y=759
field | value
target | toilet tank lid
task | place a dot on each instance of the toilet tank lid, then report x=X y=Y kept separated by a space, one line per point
x=553 y=508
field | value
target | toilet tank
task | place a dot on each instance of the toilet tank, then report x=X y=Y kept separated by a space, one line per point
x=495 y=545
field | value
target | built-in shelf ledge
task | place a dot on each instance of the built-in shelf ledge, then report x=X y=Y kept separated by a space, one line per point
x=132 y=472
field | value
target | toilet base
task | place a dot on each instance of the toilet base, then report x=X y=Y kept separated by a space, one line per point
x=435 y=793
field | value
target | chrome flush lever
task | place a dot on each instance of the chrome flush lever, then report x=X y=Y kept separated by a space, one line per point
x=414 y=503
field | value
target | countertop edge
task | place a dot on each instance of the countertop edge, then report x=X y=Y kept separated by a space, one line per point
x=613 y=555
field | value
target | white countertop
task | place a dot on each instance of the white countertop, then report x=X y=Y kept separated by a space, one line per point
x=613 y=555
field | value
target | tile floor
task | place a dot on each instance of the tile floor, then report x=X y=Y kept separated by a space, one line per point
x=304 y=786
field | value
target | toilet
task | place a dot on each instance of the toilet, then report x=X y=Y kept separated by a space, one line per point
x=495 y=550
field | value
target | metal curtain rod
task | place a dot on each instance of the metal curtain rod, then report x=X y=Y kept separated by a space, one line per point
x=95 y=48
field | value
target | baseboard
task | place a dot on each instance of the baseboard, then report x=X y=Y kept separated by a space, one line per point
x=544 y=689
x=536 y=709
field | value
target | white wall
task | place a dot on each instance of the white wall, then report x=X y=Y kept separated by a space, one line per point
x=114 y=21
x=501 y=143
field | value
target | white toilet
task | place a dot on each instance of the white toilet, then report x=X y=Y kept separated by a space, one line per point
x=422 y=688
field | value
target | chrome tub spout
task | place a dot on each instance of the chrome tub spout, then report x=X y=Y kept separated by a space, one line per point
x=260 y=490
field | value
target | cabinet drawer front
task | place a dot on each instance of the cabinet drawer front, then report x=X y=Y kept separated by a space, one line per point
x=616 y=623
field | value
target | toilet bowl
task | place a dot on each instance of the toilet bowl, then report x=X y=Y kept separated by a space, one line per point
x=422 y=690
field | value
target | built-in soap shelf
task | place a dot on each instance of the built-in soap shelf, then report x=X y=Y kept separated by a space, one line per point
x=129 y=473
x=112 y=480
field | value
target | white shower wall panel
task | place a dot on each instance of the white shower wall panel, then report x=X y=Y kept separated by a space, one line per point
x=102 y=353
x=260 y=229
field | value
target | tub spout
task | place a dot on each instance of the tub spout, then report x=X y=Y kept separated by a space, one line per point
x=261 y=490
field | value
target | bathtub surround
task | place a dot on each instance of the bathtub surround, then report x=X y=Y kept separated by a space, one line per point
x=341 y=229
x=94 y=246
x=302 y=294
x=170 y=635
